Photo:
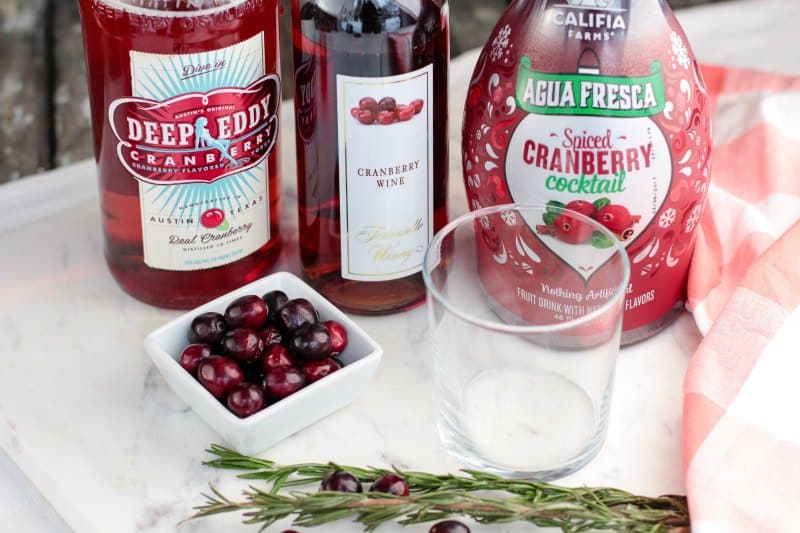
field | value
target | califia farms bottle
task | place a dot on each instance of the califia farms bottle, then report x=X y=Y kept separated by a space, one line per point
x=185 y=97
x=371 y=127
x=597 y=106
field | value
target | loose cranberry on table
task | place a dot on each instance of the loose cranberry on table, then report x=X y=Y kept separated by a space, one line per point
x=207 y=328
x=311 y=343
x=245 y=399
x=317 y=370
x=274 y=300
x=449 y=526
x=192 y=355
x=219 y=375
x=296 y=314
x=242 y=344
x=246 y=312
x=270 y=336
x=340 y=481
x=390 y=484
x=338 y=336
x=283 y=381
x=276 y=356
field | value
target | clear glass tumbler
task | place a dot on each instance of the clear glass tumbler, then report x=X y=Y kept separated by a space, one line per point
x=524 y=364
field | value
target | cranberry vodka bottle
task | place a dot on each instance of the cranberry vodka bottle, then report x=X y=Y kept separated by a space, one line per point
x=185 y=99
x=371 y=126
x=598 y=106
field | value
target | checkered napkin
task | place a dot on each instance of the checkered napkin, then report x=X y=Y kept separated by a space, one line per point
x=742 y=389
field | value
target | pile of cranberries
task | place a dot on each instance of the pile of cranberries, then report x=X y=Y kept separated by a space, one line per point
x=261 y=350
x=616 y=218
x=386 y=111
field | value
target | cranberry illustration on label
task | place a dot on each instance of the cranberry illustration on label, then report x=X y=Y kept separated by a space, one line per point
x=386 y=111
x=213 y=218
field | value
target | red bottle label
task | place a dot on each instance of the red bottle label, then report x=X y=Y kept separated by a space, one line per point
x=197 y=137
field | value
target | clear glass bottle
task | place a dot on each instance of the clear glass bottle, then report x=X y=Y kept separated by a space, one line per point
x=371 y=123
x=185 y=101
x=598 y=106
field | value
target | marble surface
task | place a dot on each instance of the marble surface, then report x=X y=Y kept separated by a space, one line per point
x=89 y=427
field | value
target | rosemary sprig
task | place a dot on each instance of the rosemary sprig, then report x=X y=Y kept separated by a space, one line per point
x=486 y=498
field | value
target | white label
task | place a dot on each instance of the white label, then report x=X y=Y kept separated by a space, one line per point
x=386 y=176
x=213 y=127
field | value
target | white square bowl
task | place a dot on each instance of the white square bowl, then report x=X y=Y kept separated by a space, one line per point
x=260 y=431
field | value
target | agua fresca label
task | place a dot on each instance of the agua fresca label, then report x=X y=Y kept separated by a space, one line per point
x=196 y=135
x=385 y=174
x=624 y=140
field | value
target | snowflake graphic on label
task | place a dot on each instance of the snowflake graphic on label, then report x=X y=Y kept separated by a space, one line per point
x=667 y=218
x=509 y=217
x=693 y=219
x=679 y=51
x=500 y=43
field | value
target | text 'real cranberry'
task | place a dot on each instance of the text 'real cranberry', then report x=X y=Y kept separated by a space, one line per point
x=246 y=312
x=219 y=375
x=207 y=328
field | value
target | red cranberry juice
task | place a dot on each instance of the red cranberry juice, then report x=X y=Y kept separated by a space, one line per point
x=597 y=106
x=185 y=102
x=363 y=231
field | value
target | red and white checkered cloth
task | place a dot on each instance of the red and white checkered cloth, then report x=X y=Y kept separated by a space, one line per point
x=742 y=390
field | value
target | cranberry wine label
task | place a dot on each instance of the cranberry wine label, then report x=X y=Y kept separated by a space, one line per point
x=624 y=140
x=385 y=174
x=196 y=135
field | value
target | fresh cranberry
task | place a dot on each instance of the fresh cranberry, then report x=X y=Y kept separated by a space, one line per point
x=404 y=113
x=338 y=336
x=283 y=381
x=369 y=104
x=242 y=344
x=276 y=356
x=207 y=328
x=583 y=207
x=390 y=484
x=271 y=335
x=245 y=399
x=212 y=218
x=317 y=370
x=192 y=355
x=311 y=343
x=386 y=117
x=274 y=300
x=568 y=229
x=246 y=312
x=449 y=526
x=365 y=117
x=253 y=371
x=340 y=481
x=616 y=218
x=387 y=104
x=296 y=314
x=219 y=374
x=418 y=105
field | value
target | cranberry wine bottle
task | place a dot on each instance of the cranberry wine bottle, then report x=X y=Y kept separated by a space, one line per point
x=371 y=126
x=597 y=106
